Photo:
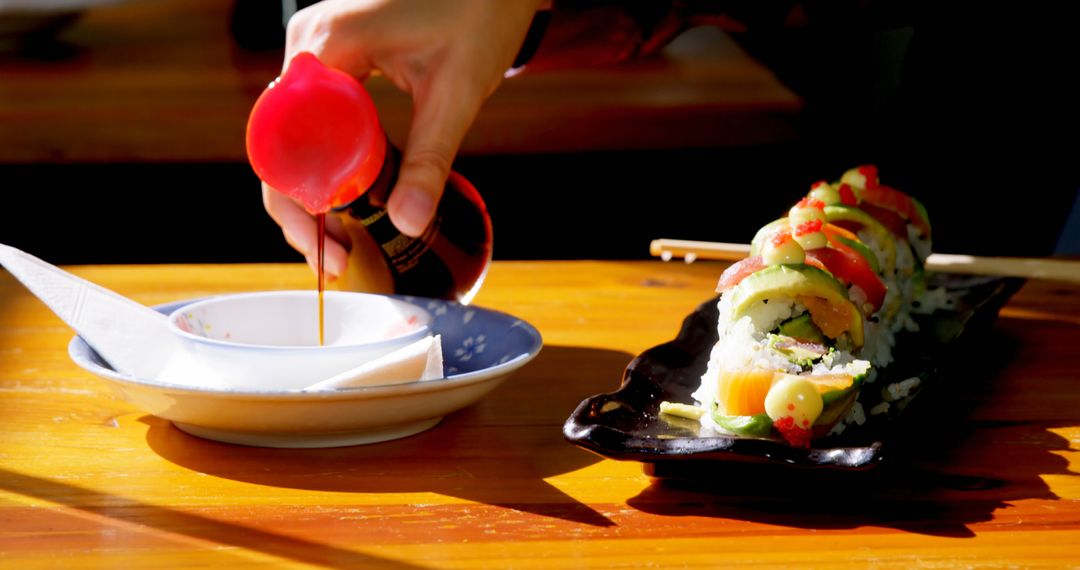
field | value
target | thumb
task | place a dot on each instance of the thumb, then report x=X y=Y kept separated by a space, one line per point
x=442 y=113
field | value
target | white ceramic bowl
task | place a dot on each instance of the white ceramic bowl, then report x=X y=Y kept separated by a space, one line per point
x=481 y=349
x=270 y=340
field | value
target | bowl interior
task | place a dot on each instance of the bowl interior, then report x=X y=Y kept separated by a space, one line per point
x=291 y=319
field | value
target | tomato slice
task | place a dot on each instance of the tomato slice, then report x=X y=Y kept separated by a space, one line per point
x=897 y=202
x=738 y=271
x=851 y=268
x=841 y=238
x=888 y=218
x=742 y=269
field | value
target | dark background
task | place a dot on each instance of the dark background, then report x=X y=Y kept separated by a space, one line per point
x=583 y=205
x=970 y=108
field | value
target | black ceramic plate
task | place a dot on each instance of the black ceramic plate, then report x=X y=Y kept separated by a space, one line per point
x=626 y=424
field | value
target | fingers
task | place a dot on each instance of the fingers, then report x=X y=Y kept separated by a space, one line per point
x=336 y=231
x=317 y=29
x=448 y=78
x=301 y=232
x=443 y=110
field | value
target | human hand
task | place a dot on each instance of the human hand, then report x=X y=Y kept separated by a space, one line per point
x=301 y=232
x=450 y=56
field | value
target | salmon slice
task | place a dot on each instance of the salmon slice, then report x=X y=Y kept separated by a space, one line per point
x=742 y=392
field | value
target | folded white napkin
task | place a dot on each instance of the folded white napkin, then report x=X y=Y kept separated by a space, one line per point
x=419 y=361
x=134 y=339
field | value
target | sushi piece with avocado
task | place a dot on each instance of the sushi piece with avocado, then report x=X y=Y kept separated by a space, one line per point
x=805 y=320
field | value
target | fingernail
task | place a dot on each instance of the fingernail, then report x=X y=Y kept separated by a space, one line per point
x=412 y=211
x=334 y=267
x=300 y=245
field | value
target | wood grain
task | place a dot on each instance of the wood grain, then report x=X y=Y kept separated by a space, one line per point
x=88 y=481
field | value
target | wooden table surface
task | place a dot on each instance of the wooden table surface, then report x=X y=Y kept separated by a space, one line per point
x=86 y=480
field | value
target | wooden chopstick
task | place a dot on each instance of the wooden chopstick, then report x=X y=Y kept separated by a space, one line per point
x=1029 y=267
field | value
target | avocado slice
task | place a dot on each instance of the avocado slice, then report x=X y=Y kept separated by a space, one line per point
x=759 y=425
x=798 y=352
x=771 y=227
x=862 y=250
x=919 y=279
x=792 y=281
x=920 y=210
x=837 y=404
x=880 y=232
x=803 y=328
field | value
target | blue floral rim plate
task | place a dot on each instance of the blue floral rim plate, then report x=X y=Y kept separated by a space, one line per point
x=481 y=348
x=476 y=342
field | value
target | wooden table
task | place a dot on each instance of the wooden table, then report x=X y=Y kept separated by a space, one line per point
x=86 y=480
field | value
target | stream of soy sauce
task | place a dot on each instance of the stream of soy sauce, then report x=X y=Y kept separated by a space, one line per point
x=321 y=219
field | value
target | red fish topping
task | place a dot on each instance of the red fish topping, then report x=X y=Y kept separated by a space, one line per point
x=847 y=196
x=808 y=227
x=870 y=172
x=795 y=435
x=809 y=202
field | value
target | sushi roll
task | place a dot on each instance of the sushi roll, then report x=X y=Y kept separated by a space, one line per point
x=806 y=320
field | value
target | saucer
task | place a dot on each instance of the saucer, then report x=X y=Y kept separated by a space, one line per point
x=481 y=349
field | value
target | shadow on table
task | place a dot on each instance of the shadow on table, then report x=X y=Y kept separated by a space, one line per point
x=111 y=507
x=497 y=452
x=944 y=470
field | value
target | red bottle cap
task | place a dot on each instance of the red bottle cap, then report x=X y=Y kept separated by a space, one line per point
x=314 y=135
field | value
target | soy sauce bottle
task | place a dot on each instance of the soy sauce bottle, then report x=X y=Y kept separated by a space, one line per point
x=314 y=134
x=448 y=261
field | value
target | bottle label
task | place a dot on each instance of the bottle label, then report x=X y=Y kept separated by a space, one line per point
x=405 y=252
x=414 y=266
